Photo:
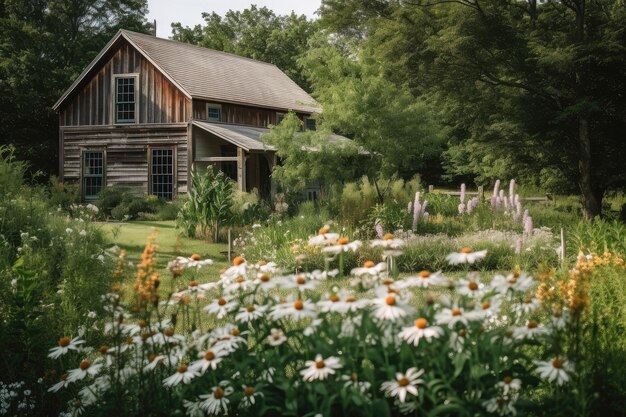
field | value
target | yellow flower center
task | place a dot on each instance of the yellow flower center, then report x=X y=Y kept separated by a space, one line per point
x=424 y=274
x=84 y=365
x=557 y=363
x=403 y=382
x=343 y=240
x=421 y=323
x=235 y=332
x=64 y=341
x=456 y=312
x=262 y=263
x=320 y=364
x=466 y=250
x=239 y=280
x=209 y=355
x=182 y=369
x=334 y=298
x=218 y=394
x=301 y=280
x=324 y=230
x=390 y=300
x=486 y=305
x=193 y=284
x=250 y=309
x=169 y=332
x=195 y=257
x=462 y=333
x=513 y=281
x=350 y=299
x=238 y=260
x=248 y=391
x=388 y=236
x=221 y=302
x=298 y=305
x=473 y=286
x=369 y=264
x=265 y=278
x=507 y=380
x=532 y=324
x=103 y=349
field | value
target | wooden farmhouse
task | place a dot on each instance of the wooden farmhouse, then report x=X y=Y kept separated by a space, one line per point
x=146 y=110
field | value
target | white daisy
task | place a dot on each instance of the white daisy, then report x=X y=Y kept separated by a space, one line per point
x=217 y=402
x=352 y=382
x=324 y=239
x=502 y=405
x=388 y=241
x=320 y=368
x=424 y=280
x=471 y=287
x=559 y=319
x=297 y=310
x=529 y=305
x=465 y=256
x=403 y=384
x=221 y=307
x=85 y=368
x=420 y=330
x=318 y=274
x=514 y=282
x=250 y=395
x=265 y=282
x=556 y=370
x=509 y=385
x=452 y=316
x=530 y=331
x=250 y=313
x=343 y=245
x=299 y=282
x=209 y=359
x=63 y=382
x=389 y=308
x=276 y=337
x=65 y=345
x=183 y=374
x=370 y=268
x=237 y=285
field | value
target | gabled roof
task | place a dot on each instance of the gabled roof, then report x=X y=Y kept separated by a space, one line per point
x=204 y=73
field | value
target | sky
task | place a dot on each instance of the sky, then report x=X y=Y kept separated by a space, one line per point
x=189 y=12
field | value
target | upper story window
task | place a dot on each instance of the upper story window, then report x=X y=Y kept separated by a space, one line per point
x=279 y=118
x=125 y=100
x=214 y=112
x=309 y=123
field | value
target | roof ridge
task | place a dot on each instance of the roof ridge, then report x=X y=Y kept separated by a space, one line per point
x=199 y=47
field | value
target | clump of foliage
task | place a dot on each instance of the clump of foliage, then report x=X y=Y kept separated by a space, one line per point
x=209 y=206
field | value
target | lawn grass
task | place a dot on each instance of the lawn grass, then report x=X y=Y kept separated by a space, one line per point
x=132 y=237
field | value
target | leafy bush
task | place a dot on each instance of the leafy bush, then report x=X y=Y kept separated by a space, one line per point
x=248 y=208
x=209 y=206
x=598 y=236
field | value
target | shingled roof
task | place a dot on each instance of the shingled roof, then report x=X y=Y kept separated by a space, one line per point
x=208 y=74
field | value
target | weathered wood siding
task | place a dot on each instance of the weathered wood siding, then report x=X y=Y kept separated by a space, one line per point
x=126 y=153
x=237 y=114
x=158 y=100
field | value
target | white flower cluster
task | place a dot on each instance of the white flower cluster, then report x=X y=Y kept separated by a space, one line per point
x=15 y=399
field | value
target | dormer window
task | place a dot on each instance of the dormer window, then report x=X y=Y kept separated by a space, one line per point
x=125 y=99
x=214 y=112
x=279 y=117
x=309 y=123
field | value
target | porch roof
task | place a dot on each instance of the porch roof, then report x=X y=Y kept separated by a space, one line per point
x=246 y=137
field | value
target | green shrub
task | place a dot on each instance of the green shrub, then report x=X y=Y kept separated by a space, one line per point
x=209 y=205
x=598 y=236
x=11 y=172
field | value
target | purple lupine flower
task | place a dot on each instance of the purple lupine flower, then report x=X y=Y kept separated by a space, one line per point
x=409 y=207
x=462 y=208
x=494 y=197
x=512 y=188
x=518 y=246
x=379 y=230
x=528 y=226
x=423 y=210
x=463 y=193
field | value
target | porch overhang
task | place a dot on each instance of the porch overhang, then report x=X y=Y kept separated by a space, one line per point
x=245 y=137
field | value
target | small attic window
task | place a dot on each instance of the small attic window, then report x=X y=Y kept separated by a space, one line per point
x=125 y=102
x=214 y=112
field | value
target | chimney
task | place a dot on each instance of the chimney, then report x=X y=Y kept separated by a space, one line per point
x=154 y=28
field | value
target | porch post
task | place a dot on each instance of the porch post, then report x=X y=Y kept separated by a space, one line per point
x=241 y=169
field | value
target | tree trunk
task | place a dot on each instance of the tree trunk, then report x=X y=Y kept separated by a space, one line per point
x=592 y=201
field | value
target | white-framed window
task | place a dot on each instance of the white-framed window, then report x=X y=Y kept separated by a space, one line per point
x=125 y=108
x=93 y=173
x=279 y=117
x=214 y=112
x=309 y=123
x=162 y=172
